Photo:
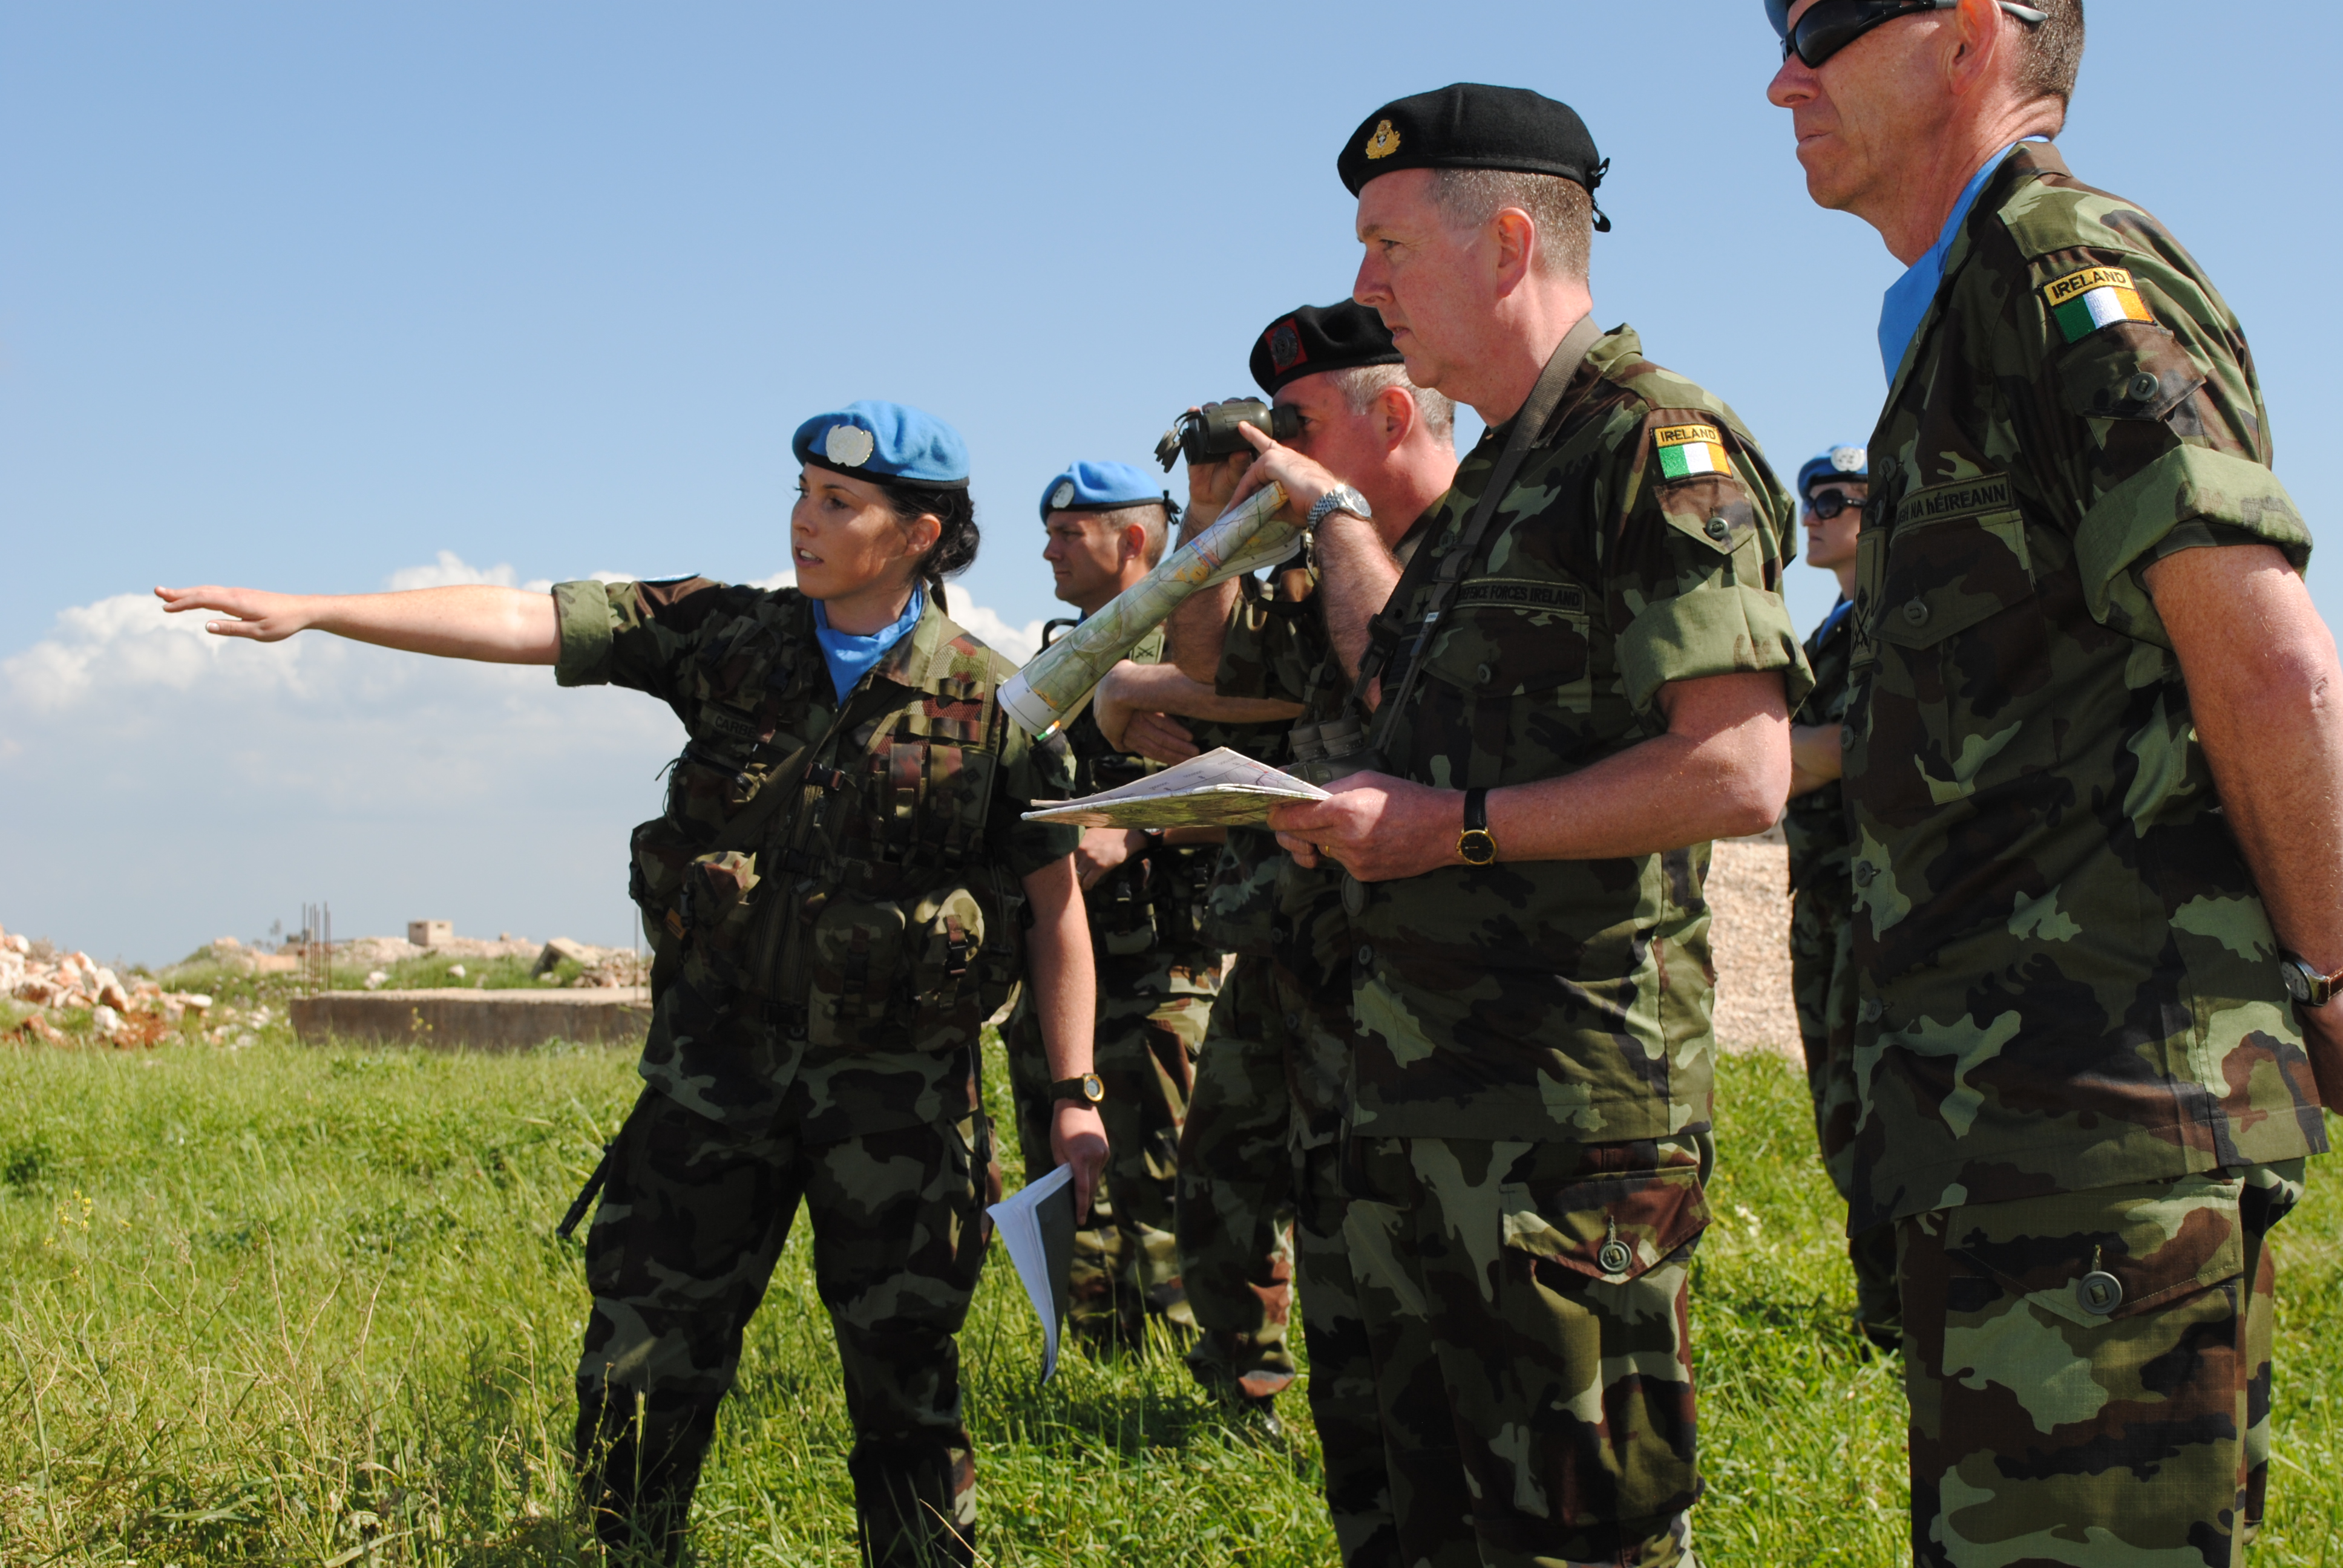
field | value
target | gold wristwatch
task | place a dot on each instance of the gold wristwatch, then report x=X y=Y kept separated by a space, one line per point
x=1085 y=1090
x=1475 y=843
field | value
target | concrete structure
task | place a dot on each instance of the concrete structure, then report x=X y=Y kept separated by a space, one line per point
x=430 y=933
x=453 y=1018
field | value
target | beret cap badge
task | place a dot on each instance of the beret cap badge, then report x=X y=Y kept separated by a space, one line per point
x=1063 y=495
x=1384 y=142
x=848 y=446
x=1285 y=349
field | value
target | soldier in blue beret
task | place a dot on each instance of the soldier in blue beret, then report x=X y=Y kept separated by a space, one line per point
x=1106 y=527
x=1831 y=490
x=840 y=892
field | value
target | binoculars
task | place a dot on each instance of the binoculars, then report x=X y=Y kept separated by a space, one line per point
x=1202 y=435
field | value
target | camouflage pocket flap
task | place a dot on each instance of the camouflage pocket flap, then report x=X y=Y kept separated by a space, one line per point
x=1511 y=648
x=1944 y=578
x=1713 y=510
x=2132 y=370
x=1613 y=1230
x=2094 y=1257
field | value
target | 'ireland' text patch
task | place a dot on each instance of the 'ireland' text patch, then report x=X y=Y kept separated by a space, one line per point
x=2083 y=301
x=1687 y=450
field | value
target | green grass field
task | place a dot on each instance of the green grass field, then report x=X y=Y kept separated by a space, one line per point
x=305 y=1306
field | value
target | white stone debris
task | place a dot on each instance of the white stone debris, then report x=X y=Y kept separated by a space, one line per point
x=58 y=982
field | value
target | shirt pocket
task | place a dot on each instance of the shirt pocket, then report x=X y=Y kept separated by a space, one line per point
x=1960 y=642
x=1615 y=1229
x=855 y=967
x=1508 y=685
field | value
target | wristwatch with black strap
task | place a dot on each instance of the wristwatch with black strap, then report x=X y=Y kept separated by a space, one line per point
x=2304 y=983
x=1085 y=1090
x=1474 y=843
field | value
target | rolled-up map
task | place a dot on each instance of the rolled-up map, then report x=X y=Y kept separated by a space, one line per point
x=1049 y=689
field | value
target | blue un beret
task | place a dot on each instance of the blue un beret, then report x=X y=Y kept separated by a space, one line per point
x=1838 y=463
x=1100 y=488
x=884 y=441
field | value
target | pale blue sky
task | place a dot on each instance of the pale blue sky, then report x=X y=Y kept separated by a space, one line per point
x=304 y=295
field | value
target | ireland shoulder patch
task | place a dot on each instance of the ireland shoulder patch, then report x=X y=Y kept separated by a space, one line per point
x=1687 y=450
x=2083 y=301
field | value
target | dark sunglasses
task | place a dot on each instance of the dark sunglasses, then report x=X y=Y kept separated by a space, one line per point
x=1830 y=25
x=1828 y=504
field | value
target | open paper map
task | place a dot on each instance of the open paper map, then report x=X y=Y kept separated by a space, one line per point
x=1222 y=788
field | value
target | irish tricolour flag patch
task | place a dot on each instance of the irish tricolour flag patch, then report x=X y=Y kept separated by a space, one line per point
x=2096 y=296
x=1689 y=449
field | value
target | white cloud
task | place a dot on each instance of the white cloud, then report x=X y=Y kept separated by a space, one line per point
x=160 y=786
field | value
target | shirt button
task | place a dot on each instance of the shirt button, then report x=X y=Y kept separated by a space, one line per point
x=1846 y=736
x=1485 y=675
x=1366 y=956
x=2144 y=386
x=1864 y=872
x=1871 y=1010
x=1718 y=528
x=1916 y=613
x=1293 y=1020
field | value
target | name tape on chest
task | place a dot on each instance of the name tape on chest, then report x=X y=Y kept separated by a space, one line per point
x=1521 y=594
x=2083 y=301
x=1962 y=498
x=1687 y=451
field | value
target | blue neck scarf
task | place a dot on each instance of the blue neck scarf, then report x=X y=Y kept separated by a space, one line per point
x=850 y=656
x=1909 y=296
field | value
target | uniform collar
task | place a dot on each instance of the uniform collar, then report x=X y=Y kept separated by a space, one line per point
x=1921 y=288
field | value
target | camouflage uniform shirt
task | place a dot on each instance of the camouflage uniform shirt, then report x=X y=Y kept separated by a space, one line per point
x=837 y=971
x=1148 y=911
x=1569 y=999
x=2069 y=981
x=1815 y=823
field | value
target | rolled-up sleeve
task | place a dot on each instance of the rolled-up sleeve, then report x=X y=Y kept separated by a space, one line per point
x=582 y=613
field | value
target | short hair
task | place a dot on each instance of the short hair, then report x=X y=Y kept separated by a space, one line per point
x=1362 y=384
x=2052 y=56
x=1155 y=519
x=1562 y=210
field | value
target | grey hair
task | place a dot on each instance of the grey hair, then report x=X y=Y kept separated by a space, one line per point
x=2052 y=57
x=1562 y=210
x=1362 y=384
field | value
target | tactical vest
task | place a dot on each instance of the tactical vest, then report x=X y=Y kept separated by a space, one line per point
x=860 y=904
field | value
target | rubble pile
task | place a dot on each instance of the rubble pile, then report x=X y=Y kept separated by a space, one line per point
x=137 y=1012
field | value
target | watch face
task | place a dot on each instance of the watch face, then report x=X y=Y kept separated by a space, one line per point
x=1477 y=847
x=2298 y=984
x=1093 y=1087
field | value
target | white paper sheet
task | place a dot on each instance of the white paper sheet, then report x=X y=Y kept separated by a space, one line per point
x=1220 y=789
x=1028 y=1222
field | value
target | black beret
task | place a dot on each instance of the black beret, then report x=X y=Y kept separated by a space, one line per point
x=1468 y=126
x=1320 y=337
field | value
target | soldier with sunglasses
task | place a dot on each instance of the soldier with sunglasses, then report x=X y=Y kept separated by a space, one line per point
x=1831 y=489
x=2098 y=835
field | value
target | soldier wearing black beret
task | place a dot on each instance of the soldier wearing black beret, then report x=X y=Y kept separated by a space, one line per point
x=1270 y=1080
x=1583 y=677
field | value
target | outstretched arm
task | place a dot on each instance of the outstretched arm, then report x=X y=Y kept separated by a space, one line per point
x=493 y=624
x=1065 y=997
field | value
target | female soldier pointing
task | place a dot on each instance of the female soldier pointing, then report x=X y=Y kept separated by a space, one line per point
x=839 y=894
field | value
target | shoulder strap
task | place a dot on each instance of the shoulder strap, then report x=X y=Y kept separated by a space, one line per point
x=1544 y=398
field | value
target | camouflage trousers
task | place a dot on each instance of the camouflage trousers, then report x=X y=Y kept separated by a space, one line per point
x=1256 y=1217
x=1526 y=1308
x=1152 y=1020
x=1822 y=983
x=684 y=1239
x=2089 y=1372
x=1236 y=1191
